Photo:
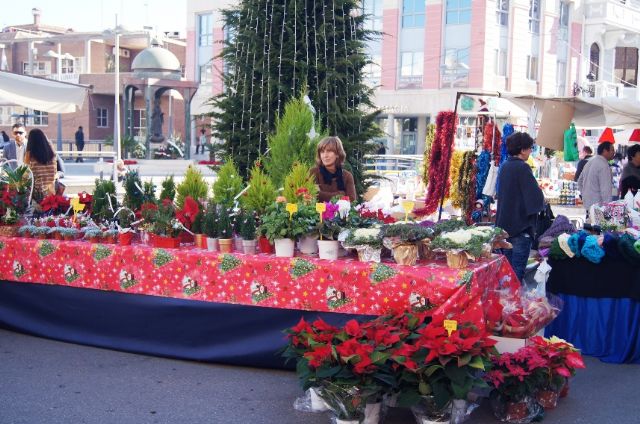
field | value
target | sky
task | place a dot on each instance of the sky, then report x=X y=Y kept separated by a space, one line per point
x=97 y=15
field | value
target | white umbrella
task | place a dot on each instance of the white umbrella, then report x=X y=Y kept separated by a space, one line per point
x=622 y=137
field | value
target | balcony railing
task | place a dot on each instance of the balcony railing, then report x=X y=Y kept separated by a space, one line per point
x=618 y=13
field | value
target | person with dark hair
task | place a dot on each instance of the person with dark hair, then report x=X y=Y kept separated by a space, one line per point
x=587 y=153
x=596 y=182
x=630 y=178
x=5 y=137
x=16 y=147
x=332 y=180
x=520 y=200
x=41 y=158
x=79 y=136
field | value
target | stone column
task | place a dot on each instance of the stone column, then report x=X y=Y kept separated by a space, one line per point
x=391 y=134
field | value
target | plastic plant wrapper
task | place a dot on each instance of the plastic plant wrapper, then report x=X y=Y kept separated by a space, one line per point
x=368 y=253
x=455 y=412
x=548 y=397
x=525 y=313
x=310 y=401
x=524 y=411
x=347 y=402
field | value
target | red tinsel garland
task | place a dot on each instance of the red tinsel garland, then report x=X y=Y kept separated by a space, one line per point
x=497 y=141
x=440 y=159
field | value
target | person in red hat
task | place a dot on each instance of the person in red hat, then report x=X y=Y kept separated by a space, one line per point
x=595 y=182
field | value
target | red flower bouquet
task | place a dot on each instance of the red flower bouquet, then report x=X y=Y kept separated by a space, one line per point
x=55 y=204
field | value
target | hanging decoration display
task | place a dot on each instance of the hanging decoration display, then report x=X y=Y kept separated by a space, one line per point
x=439 y=165
x=428 y=143
x=467 y=185
x=483 y=165
x=493 y=140
x=456 y=165
x=507 y=130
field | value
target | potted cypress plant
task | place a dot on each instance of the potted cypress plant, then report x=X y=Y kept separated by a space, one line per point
x=197 y=229
x=248 y=232
x=260 y=194
x=210 y=227
x=225 y=230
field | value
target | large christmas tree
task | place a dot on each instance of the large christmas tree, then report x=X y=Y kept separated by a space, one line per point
x=278 y=49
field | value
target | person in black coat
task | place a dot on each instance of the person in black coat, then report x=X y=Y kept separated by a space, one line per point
x=587 y=153
x=520 y=200
x=79 y=143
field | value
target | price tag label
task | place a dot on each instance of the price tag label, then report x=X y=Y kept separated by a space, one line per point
x=320 y=208
x=77 y=206
x=450 y=325
x=291 y=208
x=407 y=205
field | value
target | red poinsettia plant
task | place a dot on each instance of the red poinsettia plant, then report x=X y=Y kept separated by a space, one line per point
x=377 y=215
x=187 y=215
x=442 y=364
x=563 y=359
x=55 y=204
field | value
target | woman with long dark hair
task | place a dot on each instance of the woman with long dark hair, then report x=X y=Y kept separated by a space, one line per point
x=41 y=158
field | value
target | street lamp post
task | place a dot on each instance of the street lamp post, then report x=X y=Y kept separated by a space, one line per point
x=116 y=104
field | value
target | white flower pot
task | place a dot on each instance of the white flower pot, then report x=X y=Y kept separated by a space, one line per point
x=308 y=245
x=372 y=413
x=284 y=247
x=212 y=244
x=237 y=244
x=249 y=247
x=339 y=421
x=328 y=249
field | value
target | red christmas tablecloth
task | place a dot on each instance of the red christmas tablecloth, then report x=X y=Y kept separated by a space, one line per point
x=305 y=283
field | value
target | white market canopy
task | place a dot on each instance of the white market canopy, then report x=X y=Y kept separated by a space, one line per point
x=40 y=93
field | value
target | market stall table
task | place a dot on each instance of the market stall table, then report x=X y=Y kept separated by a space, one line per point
x=194 y=304
x=601 y=313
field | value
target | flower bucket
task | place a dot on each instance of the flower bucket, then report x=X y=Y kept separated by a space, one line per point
x=186 y=238
x=165 y=242
x=405 y=253
x=226 y=245
x=124 y=239
x=213 y=244
x=308 y=245
x=9 y=230
x=372 y=413
x=457 y=260
x=328 y=249
x=200 y=241
x=548 y=398
x=265 y=245
x=237 y=244
x=284 y=247
x=249 y=247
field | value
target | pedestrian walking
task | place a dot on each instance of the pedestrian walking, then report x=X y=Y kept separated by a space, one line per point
x=520 y=200
x=596 y=182
x=79 y=143
x=202 y=141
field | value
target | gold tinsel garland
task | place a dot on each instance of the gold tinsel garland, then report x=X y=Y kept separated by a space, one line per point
x=431 y=135
x=454 y=170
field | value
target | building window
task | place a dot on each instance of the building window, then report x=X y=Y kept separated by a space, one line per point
x=564 y=14
x=532 y=68
x=458 y=12
x=413 y=14
x=500 y=65
x=502 y=12
x=139 y=122
x=102 y=117
x=594 y=60
x=534 y=16
x=205 y=30
x=68 y=66
x=205 y=74
x=40 y=118
x=39 y=68
x=626 y=66
x=409 y=136
x=561 y=79
x=373 y=70
x=373 y=12
x=411 y=64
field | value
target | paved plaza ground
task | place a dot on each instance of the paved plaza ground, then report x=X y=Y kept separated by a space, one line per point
x=49 y=382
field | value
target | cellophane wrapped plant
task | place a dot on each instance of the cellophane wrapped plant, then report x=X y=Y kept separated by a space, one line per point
x=366 y=241
x=404 y=239
x=474 y=240
x=438 y=369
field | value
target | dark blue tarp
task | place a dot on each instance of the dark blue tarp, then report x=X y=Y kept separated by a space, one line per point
x=159 y=326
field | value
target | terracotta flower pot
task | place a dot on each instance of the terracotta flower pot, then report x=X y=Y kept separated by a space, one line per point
x=200 y=241
x=70 y=237
x=57 y=236
x=265 y=245
x=249 y=247
x=226 y=245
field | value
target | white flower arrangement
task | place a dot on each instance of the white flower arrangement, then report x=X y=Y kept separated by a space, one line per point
x=344 y=206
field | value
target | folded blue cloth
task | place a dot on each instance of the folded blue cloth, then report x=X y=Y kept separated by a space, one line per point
x=591 y=251
x=610 y=245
